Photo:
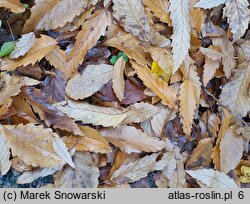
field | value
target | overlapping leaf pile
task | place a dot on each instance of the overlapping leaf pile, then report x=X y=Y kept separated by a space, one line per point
x=107 y=93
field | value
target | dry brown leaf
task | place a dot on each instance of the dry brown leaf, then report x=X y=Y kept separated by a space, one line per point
x=188 y=102
x=85 y=175
x=92 y=141
x=57 y=58
x=231 y=150
x=86 y=39
x=14 y=5
x=4 y=156
x=132 y=140
x=160 y=9
x=41 y=48
x=23 y=45
x=160 y=119
x=225 y=123
x=228 y=58
x=118 y=78
x=13 y=85
x=92 y=79
x=132 y=16
x=131 y=46
x=161 y=88
x=61 y=13
x=19 y=165
x=201 y=155
x=47 y=112
x=35 y=145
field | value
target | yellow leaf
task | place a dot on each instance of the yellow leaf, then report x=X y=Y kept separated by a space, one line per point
x=161 y=88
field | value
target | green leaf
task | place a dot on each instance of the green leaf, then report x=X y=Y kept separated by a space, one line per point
x=7 y=48
x=26 y=6
x=113 y=60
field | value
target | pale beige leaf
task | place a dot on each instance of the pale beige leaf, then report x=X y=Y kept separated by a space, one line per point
x=188 y=102
x=61 y=13
x=239 y=101
x=92 y=114
x=210 y=68
x=153 y=82
x=170 y=164
x=238 y=17
x=160 y=119
x=86 y=39
x=14 y=5
x=41 y=47
x=33 y=144
x=85 y=175
x=228 y=58
x=177 y=180
x=92 y=79
x=212 y=179
x=132 y=140
x=139 y=112
x=179 y=14
x=231 y=146
x=118 y=78
x=61 y=149
x=92 y=141
x=132 y=16
x=23 y=45
x=30 y=176
x=5 y=162
x=134 y=171
x=211 y=53
x=208 y=4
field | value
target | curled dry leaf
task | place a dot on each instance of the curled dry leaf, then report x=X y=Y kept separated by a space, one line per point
x=132 y=140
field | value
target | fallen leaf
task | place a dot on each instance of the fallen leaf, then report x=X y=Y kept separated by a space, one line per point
x=33 y=144
x=14 y=5
x=212 y=179
x=132 y=140
x=85 y=175
x=23 y=45
x=92 y=79
x=4 y=156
